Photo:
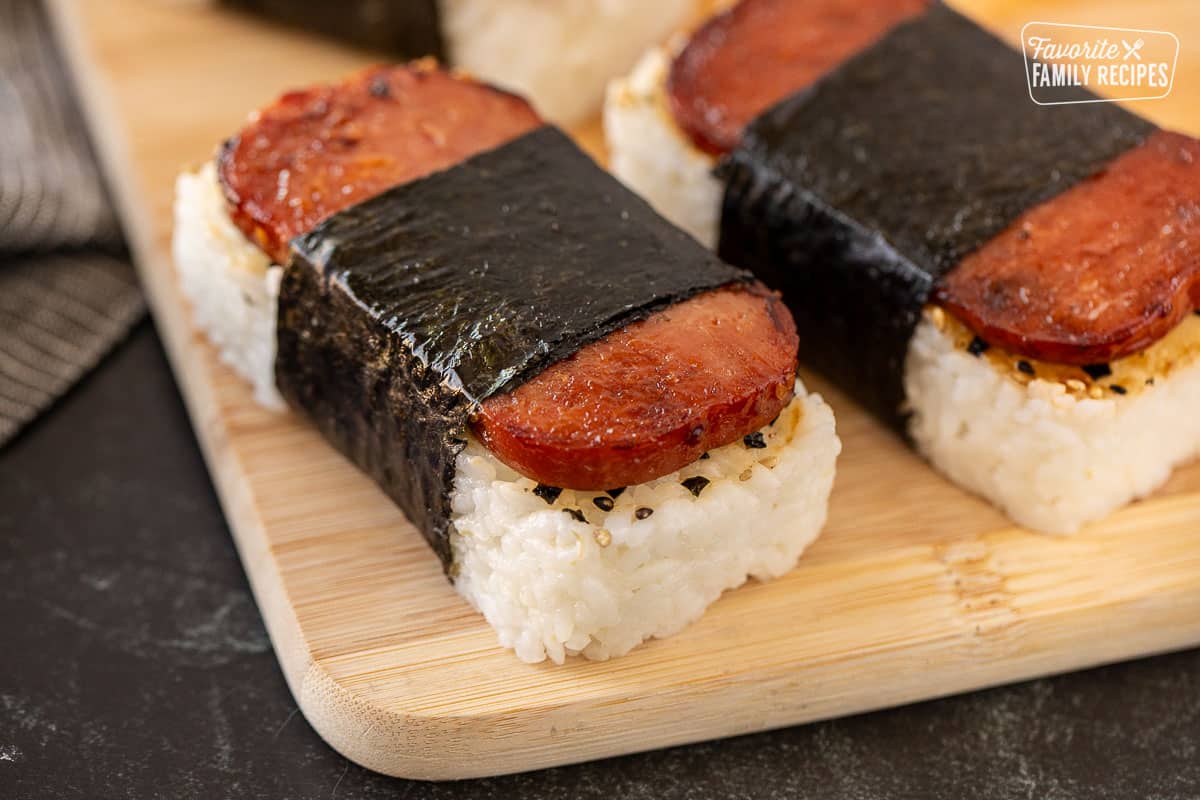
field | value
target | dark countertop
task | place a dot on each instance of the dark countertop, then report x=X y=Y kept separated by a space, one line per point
x=134 y=663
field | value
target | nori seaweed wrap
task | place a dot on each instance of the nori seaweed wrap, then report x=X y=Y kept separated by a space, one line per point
x=408 y=28
x=399 y=315
x=856 y=196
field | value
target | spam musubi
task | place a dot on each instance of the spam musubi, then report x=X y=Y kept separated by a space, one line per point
x=594 y=422
x=1011 y=285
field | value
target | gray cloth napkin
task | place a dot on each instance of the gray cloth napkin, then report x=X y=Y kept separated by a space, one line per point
x=67 y=290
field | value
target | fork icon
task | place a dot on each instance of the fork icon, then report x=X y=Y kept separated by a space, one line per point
x=1131 y=50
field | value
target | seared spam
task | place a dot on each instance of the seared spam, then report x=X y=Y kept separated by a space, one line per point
x=1100 y=272
x=651 y=397
x=746 y=59
x=613 y=414
x=316 y=151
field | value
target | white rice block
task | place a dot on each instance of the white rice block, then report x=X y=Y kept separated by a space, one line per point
x=1049 y=458
x=559 y=53
x=232 y=285
x=652 y=156
x=553 y=586
x=550 y=585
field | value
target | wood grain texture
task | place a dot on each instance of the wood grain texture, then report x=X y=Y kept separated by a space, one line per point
x=915 y=590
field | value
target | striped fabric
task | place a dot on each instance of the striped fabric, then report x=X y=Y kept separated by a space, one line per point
x=67 y=292
x=51 y=194
x=59 y=315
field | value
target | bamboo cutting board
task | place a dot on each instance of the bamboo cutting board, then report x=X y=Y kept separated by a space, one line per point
x=915 y=590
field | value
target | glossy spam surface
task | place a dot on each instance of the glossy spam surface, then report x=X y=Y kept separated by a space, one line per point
x=1101 y=271
x=743 y=61
x=314 y=152
x=652 y=397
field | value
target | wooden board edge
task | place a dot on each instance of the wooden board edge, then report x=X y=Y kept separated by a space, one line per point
x=413 y=746
x=408 y=745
